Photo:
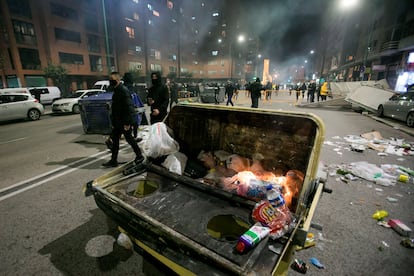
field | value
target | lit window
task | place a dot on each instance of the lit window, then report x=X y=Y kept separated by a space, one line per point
x=149 y=7
x=135 y=1
x=130 y=31
x=133 y=65
x=170 y=4
x=155 y=13
x=138 y=49
x=215 y=14
x=214 y=53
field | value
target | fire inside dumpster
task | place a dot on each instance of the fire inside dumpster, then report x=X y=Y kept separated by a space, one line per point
x=234 y=158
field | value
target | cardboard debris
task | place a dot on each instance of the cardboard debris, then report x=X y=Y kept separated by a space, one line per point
x=374 y=135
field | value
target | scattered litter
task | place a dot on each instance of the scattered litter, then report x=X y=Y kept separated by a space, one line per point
x=338 y=152
x=316 y=263
x=299 y=266
x=374 y=140
x=400 y=227
x=124 y=241
x=391 y=199
x=383 y=224
x=337 y=149
x=379 y=190
x=358 y=147
x=409 y=243
x=400 y=195
x=401 y=159
x=329 y=143
x=384 y=244
x=380 y=214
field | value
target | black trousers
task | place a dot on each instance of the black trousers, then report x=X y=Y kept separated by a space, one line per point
x=116 y=133
x=255 y=101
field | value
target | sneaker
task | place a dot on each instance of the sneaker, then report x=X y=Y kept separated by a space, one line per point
x=139 y=159
x=110 y=163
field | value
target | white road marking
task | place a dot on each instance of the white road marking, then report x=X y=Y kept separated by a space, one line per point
x=104 y=155
x=11 y=141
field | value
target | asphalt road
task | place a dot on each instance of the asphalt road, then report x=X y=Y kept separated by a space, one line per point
x=50 y=228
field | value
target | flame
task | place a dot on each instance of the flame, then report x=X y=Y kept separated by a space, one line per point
x=241 y=180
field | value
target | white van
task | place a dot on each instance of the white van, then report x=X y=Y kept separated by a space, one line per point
x=22 y=90
x=102 y=85
x=47 y=94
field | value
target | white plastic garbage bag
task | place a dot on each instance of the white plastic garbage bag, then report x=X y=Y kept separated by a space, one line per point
x=175 y=162
x=159 y=142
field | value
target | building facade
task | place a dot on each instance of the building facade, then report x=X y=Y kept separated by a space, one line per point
x=91 y=38
x=371 y=41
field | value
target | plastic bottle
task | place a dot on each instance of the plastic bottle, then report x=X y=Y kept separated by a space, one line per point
x=385 y=181
x=252 y=237
x=276 y=199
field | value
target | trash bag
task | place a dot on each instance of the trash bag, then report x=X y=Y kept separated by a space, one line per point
x=159 y=142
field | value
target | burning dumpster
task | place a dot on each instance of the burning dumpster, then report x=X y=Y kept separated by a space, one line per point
x=191 y=222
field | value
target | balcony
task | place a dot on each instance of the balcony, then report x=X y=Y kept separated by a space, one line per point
x=390 y=46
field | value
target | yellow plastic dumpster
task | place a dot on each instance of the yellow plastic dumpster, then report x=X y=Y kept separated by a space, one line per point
x=192 y=226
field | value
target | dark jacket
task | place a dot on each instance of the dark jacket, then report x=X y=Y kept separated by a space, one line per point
x=229 y=90
x=122 y=109
x=255 y=89
x=159 y=93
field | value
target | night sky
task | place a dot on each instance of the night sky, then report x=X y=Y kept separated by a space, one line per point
x=287 y=28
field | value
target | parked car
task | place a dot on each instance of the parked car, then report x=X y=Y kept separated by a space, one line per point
x=18 y=105
x=71 y=103
x=47 y=94
x=399 y=107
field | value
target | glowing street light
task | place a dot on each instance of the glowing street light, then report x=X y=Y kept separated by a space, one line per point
x=311 y=52
x=347 y=4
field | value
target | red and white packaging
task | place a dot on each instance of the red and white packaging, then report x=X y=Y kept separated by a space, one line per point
x=399 y=227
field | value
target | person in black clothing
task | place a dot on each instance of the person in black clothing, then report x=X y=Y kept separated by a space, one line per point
x=129 y=83
x=255 y=92
x=311 y=91
x=229 y=93
x=122 y=118
x=158 y=98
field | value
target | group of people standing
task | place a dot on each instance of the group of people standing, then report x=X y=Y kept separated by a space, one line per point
x=320 y=92
x=124 y=112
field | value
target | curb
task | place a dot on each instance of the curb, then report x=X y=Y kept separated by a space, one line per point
x=405 y=129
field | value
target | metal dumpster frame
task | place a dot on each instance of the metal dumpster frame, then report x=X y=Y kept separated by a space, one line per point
x=182 y=253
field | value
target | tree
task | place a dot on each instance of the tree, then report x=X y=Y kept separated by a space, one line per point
x=58 y=74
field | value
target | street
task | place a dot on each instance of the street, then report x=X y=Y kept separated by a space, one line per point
x=50 y=228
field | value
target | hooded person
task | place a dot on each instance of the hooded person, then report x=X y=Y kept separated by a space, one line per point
x=157 y=98
x=255 y=92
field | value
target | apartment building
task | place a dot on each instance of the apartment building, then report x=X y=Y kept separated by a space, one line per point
x=90 y=38
x=370 y=41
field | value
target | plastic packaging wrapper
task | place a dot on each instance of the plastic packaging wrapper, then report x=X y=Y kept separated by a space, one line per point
x=279 y=220
x=175 y=162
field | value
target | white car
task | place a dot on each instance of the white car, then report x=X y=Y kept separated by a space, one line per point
x=70 y=104
x=16 y=105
